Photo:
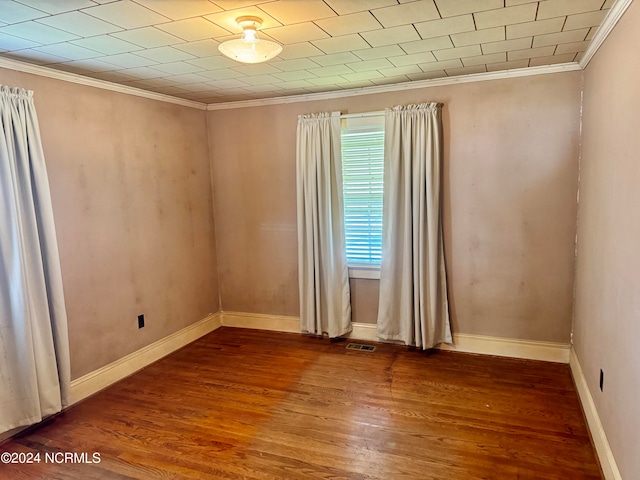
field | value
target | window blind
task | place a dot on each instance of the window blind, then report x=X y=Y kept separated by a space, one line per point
x=362 y=171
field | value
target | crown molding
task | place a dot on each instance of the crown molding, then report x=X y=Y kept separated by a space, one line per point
x=610 y=21
x=436 y=82
x=94 y=82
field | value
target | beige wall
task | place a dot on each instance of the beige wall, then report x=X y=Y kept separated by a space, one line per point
x=509 y=211
x=607 y=311
x=131 y=192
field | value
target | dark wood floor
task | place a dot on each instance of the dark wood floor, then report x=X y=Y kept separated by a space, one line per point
x=245 y=404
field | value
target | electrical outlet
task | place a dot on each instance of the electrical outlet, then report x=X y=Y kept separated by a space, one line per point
x=601 y=380
x=140 y=321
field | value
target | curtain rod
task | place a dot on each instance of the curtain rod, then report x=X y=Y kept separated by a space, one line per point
x=363 y=115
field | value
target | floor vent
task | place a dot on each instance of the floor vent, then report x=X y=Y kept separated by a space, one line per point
x=361 y=347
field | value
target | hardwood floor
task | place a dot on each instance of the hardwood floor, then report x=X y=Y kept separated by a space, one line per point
x=247 y=404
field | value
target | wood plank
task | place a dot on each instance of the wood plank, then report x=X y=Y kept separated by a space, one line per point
x=249 y=404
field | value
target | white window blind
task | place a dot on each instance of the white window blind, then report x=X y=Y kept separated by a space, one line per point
x=362 y=170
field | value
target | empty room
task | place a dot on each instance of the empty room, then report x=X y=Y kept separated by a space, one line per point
x=346 y=239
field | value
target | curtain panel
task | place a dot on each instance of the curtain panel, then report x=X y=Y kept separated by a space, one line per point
x=34 y=346
x=325 y=300
x=413 y=305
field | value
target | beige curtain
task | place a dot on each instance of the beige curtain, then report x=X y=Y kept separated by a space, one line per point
x=34 y=348
x=325 y=304
x=413 y=303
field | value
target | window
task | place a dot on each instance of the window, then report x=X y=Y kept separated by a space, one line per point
x=362 y=141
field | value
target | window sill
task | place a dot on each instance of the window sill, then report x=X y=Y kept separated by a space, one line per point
x=371 y=273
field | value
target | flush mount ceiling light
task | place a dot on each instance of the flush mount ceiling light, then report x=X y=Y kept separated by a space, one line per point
x=249 y=48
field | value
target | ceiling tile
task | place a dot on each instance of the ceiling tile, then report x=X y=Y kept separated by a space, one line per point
x=299 y=50
x=335 y=58
x=459 y=52
x=178 y=68
x=293 y=84
x=221 y=74
x=517 y=44
x=406 y=14
x=295 y=64
x=126 y=14
x=571 y=47
x=79 y=23
x=154 y=82
x=13 y=12
x=297 y=11
x=37 y=32
x=128 y=60
x=165 y=54
x=607 y=4
x=454 y=72
x=359 y=76
x=66 y=50
x=398 y=71
x=343 y=7
x=255 y=69
x=592 y=32
x=190 y=78
x=344 y=43
x=92 y=65
x=441 y=65
x=428 y=45
x=562 y=37
x=106 y=44
x=558 y=8
x=368 y=65
x=116 y=76
x=144 y=72
x=506 y=16
x=583 y=20
x=148 y=37
x=390 y=36
x=511 y=3
x=493 y=67
x=34 y=56
x=379 y=52
x=202 y=48
x=413 y=59
x=346 y=24
x=260 y=79
x=11 y=42
x=330 y=71
x=55 y=6
x=552 y=59
x=328 y=80
x=530 y=53
x=447 y=26
x=448 y=8
x=427 y=75
x=182 y=9
x=484 y=59
x=227 y=19
x=214 y=62
x=495 y=34
x=390 y=80
x=193 y=29
x=300 y=32
x=539 y=27
x=292 y=76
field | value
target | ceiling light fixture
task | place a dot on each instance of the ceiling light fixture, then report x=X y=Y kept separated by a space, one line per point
x=249 y=48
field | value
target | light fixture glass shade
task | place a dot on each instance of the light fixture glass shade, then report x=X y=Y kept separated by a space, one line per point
x=249 y=48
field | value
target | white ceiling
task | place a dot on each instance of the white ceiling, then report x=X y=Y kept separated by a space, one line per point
x=171 y=46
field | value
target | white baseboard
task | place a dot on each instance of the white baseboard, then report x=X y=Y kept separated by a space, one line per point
x=101 y=378
x=504 y=347
x=509 y=347
x=603 y=449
